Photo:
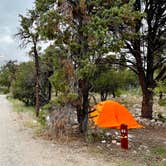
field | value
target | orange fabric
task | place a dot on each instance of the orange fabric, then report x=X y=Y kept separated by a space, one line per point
x=110 y=114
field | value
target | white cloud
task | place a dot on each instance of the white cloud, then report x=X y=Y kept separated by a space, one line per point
x=9 y=22
x=2 y=56
x=6 y=39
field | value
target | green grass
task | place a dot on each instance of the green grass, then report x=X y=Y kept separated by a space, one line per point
x=162 y=102
x=158 y=154
x=159 y=151
x=19 y=106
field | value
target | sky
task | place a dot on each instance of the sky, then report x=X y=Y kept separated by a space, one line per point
x=9 y=24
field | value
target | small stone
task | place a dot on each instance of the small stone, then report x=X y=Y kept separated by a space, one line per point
x=164 y=125
x=108 y=145
x=134 y=152
x=52 y=145
x=118 y=143
x=147 y=151
x=114 y=141
x=34 y=121
x=130 y=136
x=152 y=124
x=103 y=141
x=99 y=147
x=108 y=134
x=48 y=118
x=153 y=120
x=116 y=133
x=75 y=127
x=159 y=123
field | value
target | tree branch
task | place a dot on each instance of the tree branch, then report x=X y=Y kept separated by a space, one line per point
x=161 y=74
x=159 y=64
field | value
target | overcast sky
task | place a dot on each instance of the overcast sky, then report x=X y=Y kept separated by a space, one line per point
x=9 y=23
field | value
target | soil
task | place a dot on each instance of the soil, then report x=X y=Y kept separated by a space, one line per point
x=20 y=146
x=23 y=143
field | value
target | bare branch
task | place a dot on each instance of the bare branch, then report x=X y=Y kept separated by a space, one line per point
x=161 y=74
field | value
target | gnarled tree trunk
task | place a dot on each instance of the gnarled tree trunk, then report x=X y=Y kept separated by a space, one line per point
x=83 y=108
x=147 y=104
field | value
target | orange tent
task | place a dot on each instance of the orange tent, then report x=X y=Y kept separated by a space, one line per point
x=111 y=114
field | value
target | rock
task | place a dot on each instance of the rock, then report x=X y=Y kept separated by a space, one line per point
x=75 y=127
x=108 y=145
x=123 y=96
x=134 y=152
x=164 y=125
x=114 y=141
x=130 y=136
x=152 y=124
x=147 y=123
x=147 y=151
x=118 y=143
x=153 y=120
x=108 y=134
x=99 y=147
x=116 y=133
x=143 y=147
x=35 y=121
x=48 y=118
x=159 y=123
x=136 y=106
x=103 y=141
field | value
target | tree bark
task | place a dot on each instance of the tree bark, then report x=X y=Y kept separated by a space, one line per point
x=147 y=104
x=49 y=85
x=146 y=80
x=103 y=96
x=83 y=107
x=37 y=85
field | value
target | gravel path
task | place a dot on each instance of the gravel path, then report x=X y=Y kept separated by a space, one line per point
x=19 y=148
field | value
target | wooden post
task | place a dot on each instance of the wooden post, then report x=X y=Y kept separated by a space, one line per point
x=124 y=136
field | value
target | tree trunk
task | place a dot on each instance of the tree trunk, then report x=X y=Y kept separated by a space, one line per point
x=83 y=107
x=37 y=86
x=160 y=95
x=146 y=80
x=49 y=91
x=49 y=85
x=147 y=104
x=113 y=94
x=103 y=96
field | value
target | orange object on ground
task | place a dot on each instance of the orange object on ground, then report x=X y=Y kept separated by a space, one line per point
x=111 y=114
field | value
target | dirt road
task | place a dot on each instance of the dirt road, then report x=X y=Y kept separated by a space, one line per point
x=19 y=148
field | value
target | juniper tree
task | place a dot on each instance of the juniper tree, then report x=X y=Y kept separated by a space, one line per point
x=28 y=35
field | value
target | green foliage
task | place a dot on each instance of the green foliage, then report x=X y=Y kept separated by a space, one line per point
x=42 y=117
x=4 y=90
x=130 y=79
x=162 y=102
x=23 y=87
x=161 y=90
x=7 y=75
x=161 y=87
x=111 y=80
x=19 y=106
x=58 y=81
x=161 y=117
x=85 y=37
